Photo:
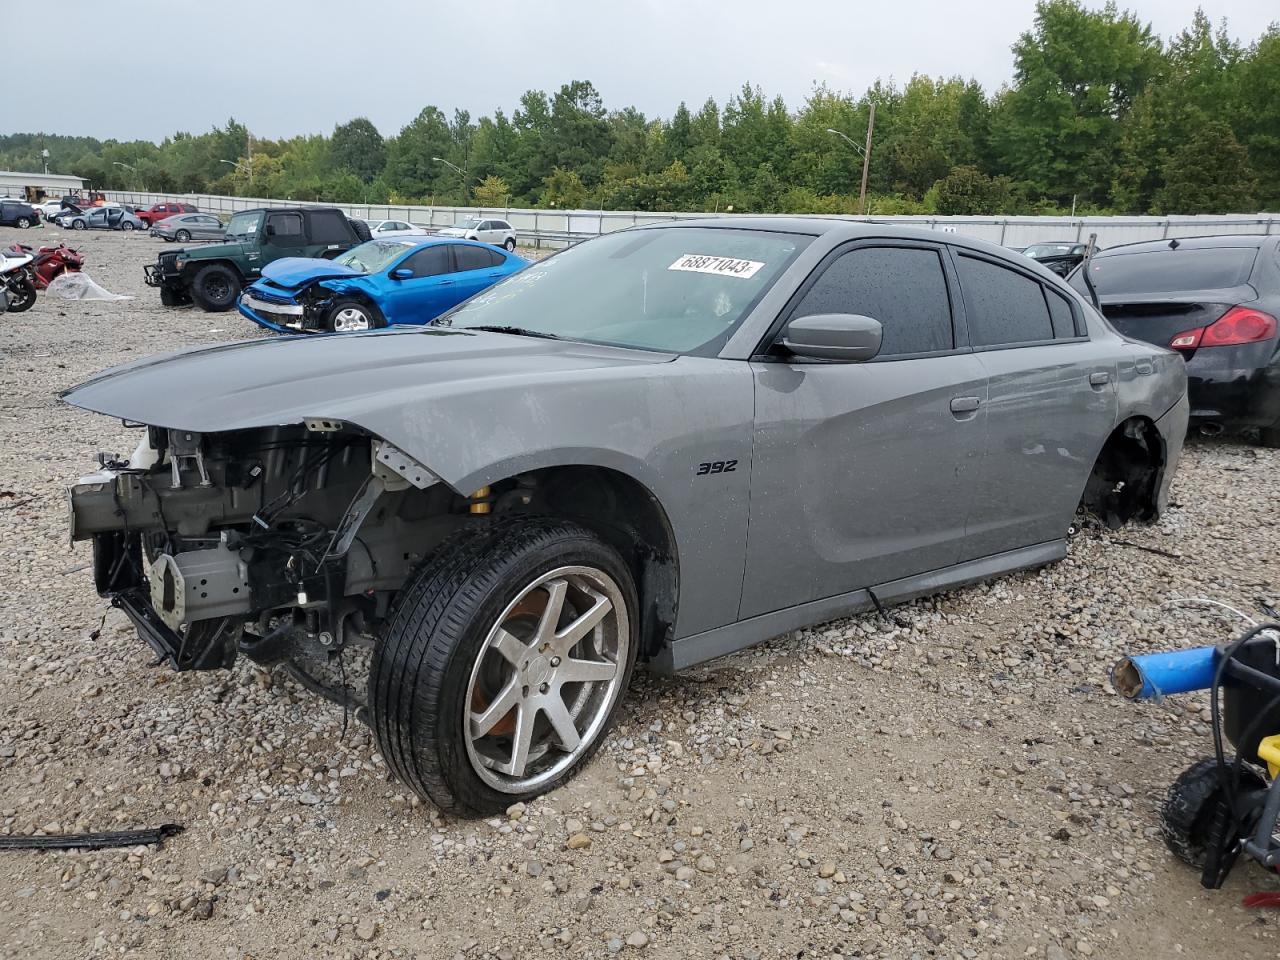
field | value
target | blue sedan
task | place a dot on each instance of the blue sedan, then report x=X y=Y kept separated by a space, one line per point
x=379 y=283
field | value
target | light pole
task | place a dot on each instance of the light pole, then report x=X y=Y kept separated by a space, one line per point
x=462 y=173
x=866 y=157
x=132 y=169
x=247 y=168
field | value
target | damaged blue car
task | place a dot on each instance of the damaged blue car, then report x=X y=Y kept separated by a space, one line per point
x=377 y=284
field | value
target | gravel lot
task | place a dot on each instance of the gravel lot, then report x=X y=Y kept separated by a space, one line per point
x=960 y=783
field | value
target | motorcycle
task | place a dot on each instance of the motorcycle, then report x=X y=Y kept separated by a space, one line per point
x=17 y=280
x=49 y=262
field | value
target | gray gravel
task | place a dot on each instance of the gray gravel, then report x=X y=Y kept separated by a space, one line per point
x=959 y=783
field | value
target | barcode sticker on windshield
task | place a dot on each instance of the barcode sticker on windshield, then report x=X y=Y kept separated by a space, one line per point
x=720 y=266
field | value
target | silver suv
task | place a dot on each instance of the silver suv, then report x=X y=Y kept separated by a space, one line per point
x=498 y=232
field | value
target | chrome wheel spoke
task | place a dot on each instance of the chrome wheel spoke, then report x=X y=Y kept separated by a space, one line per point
x=556 y=590
x=487 y=719
x=511 y=648
x=572 y=635
x=586 y=671
x=521 y=740
x=563 y=725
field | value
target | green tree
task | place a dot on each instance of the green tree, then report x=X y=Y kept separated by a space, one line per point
x=1076 y=76
x=358 y=148
x=563 y=189
x=492 y=191
x=1210 y=173
x=967 y=191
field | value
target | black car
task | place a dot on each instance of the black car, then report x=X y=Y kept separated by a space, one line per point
x=16 y=213
x=1215 y=300
x=1060 y=256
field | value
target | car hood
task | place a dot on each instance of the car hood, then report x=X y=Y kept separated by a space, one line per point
x=290 y=273
x=451 y=232
x=378 y=380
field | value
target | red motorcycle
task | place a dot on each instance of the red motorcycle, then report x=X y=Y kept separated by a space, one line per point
x=49 y=262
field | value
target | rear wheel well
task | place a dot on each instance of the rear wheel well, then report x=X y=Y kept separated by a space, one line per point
x=625 y=514
x=1125 y=482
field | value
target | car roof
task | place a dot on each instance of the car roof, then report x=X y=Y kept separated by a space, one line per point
x=1219 y=242
x=840 y=229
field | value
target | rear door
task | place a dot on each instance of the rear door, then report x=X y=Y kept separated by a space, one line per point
x=1051 y=404
x=864 y=473
x=476 y=267
x=285 y=236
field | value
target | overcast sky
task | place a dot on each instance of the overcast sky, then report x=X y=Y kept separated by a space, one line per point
x=299 y=66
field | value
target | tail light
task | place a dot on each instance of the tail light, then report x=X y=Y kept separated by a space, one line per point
x=1237 y=325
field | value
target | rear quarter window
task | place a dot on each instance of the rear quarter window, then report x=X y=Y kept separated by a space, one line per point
x=1003 y=306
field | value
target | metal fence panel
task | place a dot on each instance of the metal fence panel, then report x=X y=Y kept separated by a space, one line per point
x=559 y=227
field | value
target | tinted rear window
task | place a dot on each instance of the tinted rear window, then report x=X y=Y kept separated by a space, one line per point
x=1170 y=271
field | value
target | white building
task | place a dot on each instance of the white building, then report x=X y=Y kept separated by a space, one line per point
x=35 y=186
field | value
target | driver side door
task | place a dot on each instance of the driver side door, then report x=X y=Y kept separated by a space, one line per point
x=864 y=473
x=426 y=294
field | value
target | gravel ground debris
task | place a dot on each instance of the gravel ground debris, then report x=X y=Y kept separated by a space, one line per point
x=957 y=782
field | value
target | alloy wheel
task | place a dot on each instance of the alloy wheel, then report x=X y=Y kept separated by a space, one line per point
x=350 y=318
x=546 y=679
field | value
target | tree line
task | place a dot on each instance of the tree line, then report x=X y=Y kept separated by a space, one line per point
x=1102 y=116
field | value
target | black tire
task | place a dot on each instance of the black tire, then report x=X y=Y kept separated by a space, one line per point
x=23 y=223
x=510 y=244
x=182 y=236
x=1269 y=437
x=77 y=225
x=24 y=293
x=168 y=297
x=127 y=226
x=363 y=233
x=1190 y=806
x=340 y=304
x=419 y=677
x=215 y=288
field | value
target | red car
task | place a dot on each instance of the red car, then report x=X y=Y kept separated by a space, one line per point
x=159 y=211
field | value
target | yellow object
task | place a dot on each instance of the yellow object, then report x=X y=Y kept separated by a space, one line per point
x=482 y=494
x=1269 y=750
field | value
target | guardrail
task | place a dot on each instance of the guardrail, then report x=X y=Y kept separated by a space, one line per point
x=560 y=227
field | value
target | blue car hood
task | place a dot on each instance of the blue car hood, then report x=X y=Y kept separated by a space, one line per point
x=293 y=272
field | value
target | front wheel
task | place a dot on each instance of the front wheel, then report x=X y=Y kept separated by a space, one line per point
x=215 y=288
x=182 y=236
x=77 y=225
x=349 y=315
x=22 y=295
x=23 y=223
x=504 y=663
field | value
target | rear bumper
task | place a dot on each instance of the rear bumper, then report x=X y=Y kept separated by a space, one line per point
x=1235 y=386
x=1173 y=431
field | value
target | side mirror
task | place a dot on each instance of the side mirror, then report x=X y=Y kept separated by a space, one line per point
x=843 y=337
x=402 y=273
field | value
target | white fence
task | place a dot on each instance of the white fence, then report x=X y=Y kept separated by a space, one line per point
x=555 y=227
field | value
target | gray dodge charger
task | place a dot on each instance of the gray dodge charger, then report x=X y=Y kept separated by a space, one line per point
x=655 y=447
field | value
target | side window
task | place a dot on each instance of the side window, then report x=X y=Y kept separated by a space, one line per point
x=1063 y=317
x=1002 y=305
x=501 y=225
x=430 y=261
x=902 y=287
x=474 y=258
x=329 y=226
x=487 y=225
x=287 y=229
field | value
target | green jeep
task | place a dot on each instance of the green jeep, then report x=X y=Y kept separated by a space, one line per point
x=212 y=275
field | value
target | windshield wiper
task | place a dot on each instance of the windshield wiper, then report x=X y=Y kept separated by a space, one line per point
x=516 y=331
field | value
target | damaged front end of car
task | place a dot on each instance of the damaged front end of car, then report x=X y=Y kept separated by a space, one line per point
x=285 y=544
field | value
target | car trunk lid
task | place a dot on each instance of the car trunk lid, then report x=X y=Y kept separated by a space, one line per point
x=1158 y=319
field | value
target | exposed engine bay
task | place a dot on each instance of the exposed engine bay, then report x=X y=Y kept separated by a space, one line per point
x=283 y=543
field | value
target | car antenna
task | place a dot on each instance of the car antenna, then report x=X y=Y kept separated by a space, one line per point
x=1089 y=248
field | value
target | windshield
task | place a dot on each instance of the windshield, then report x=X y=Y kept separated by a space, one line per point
x=1170 y=271
x=677 y=289
x=373 y=256
x=468 y=224
x=244 y=226
x=1040 y=250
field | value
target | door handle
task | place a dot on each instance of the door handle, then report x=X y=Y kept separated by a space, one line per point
x=446 y=283
x=1099 y=379
x=1145 y=369
x=965 y=404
